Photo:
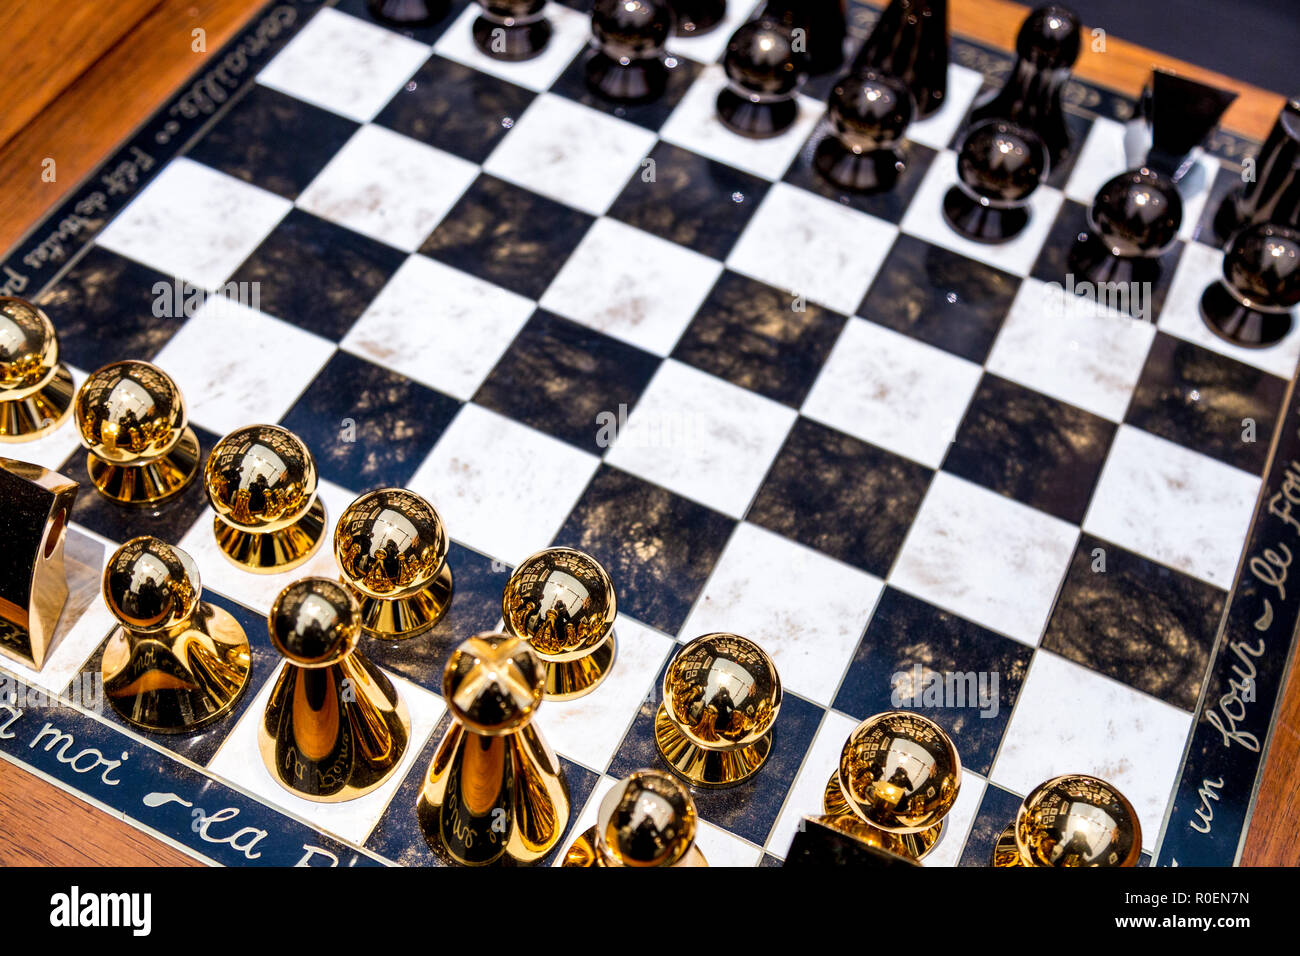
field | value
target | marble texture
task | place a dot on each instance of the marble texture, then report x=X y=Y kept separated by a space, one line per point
x=805 y=797
x=938 y=129
x=570 y=31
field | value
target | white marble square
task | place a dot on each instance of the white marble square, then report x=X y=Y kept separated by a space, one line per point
x=702 y=437
x=1172 y=504
x=632 y=285
x=985 y=557
x=388 y=186
x=924 y=218
x=570 y=152
x=812 y=639
x=694 y=125
x=239 y=762
x=708 y=47
x=813 y=247
x=1071 y=719
x=194 y=223
x=570 y=31
x=805 y=796
x=231 y=360
x=1102 y=157
x=344 y=64
x=957 y=824
x=938 y=129
x=502 y=488
x=893 y=391
x=1072 y=348
x=438 y=325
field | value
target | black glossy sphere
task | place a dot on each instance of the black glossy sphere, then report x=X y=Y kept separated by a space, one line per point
x=632 y=28
x=1049 y=37
x=761 y=59
x=870 y=110
x=1263 y=264
x=1001 y=162
x=1137 y=213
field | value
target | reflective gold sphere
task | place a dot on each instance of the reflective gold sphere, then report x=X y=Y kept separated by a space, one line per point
x=260 y=478
x=722 y=691
x=150 y=585
x=130 y=413
x=29 y=347
x=1077 y=820
x=493 y=683
x=390 y=543
x=899 y=771
x=315 y=622
x=560 y=601
x=648 y=819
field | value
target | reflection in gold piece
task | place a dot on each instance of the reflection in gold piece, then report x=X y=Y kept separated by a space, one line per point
x=33 y=582
x=174 y=663
x=261 y=482
x=495 y=791
x=391 y=548
x=1072 y=820
x=721 y=697
x=841 y=816
x=35 y=386
x=649 y=819
x=1006 y=852
x=132 y=420
x=562 y=603
x=334 y=727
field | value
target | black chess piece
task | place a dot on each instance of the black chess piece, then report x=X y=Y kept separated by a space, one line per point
x=1133 y=221
x=868 y=113
x=1181 y=113
x=697 y=17
x=910 y=41
x=1046 y=49
x=765 y=72
x=824 y=25
x=999 y=165
x=1273 y=195
x=409 y=13
x=1251 y=305
x=630 y=36
x=512 y=29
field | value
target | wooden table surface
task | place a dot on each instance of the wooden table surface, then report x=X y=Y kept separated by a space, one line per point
x=78 y=81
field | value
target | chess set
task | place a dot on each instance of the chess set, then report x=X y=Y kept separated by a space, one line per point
x=663 y=434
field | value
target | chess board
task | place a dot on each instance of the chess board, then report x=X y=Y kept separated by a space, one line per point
x=825 y=422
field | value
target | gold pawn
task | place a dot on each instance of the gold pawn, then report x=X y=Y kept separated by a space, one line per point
x=35 y=386
x=649 y=819
x=1072 y=820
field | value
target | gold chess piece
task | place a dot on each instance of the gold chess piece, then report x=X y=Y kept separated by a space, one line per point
x=35 y=386
x=391 y=547
x=562 y=603
x=1072 y=820
x=132 y=420
x=335 y=727
x=495 y=791
x=33 y=582
x=899 y=775
x=174 y=663
x=721 y=697
x=261 y=482
x=648 y=819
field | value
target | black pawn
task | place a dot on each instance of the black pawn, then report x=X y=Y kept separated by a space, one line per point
x=910 y=41
x=999 y=166
x=868 y=113
x=409 y=13
x=1046 y=49
x=512 y=29
x=1133 y=221
x=824 y=27
x=1251 y=305
x=765 y=73
x=1273 y=195
x=628 y=62
x=697 y=17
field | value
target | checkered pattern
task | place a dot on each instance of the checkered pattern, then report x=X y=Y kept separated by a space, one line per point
x=843 y=431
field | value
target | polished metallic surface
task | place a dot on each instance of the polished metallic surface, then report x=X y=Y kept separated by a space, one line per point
x=721 y=696
x=1072 y=820
x=35 y=386
x=648 y=819
x=34 y=507
x=131 y=417
x=261 y=482
x=844 y=818
x=391 y=548
x=174 y=663
x=562 y=602
x=335 y=727
x=495 y=791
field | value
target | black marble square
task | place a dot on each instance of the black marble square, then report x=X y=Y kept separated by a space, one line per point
x=657 y=546
x=558 y=376
x=368 y=426
x=690 y=200
x=508 y=236
x=751 y=335
x=456 y=108
x=940 y=298
x=842 y=496
x=1205 y=401
x=424 y=34
x=889 y=204
x=274 y=141
x=317 y=275
x=651 y=115
x=1145 y=625
x=908 y=638
x=103 y=309
x=998 y=808
x=1027 y=446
